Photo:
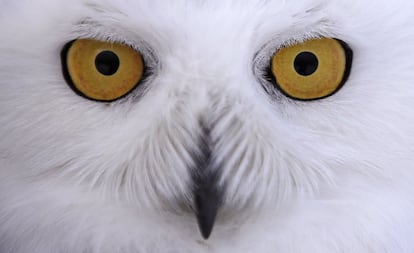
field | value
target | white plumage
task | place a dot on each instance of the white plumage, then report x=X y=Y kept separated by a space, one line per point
x=327 y=176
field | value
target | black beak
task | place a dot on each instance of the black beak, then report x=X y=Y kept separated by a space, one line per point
x=207 y=200
x=206 y=191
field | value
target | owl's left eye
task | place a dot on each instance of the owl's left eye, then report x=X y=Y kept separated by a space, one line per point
x=102 y=71
x=311 y=70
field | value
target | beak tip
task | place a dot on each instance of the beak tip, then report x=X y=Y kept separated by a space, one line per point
x=206 y=236
x=205 y=228
x=206 y=212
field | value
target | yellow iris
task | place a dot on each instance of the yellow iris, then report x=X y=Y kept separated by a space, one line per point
x=311 y=70
x=102 y=71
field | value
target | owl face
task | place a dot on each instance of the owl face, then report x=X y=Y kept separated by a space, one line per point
x=205 y=106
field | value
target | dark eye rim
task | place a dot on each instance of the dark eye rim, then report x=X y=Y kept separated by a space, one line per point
x=69 y=81
x=349 y=56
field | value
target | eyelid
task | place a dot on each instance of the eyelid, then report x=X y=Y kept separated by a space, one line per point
x=89 y=28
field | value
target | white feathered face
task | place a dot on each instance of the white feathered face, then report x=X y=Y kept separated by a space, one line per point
x=204 y=104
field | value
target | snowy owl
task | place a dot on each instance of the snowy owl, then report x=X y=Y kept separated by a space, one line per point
x=206 y=126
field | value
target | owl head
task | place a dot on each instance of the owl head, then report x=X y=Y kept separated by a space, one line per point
x=205 y=107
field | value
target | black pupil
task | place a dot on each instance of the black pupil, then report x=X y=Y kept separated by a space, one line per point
x=107 y=63
x=306 y=63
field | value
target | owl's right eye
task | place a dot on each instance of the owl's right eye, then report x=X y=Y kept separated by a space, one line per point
x=102 y=71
